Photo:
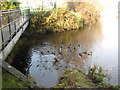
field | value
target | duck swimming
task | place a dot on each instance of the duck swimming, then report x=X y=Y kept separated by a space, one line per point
x=61 y=46
x=74 y=48
x=68 y=47
x=42 y=53
x=60 y=53
x=48 y=51
x=90 y=53
x=78 y=45
x=80 y=54
x=85 y=52
x=53 y=53
x=56 y=60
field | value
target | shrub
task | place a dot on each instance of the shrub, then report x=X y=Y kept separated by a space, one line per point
x=96 y=74
x=56 y=20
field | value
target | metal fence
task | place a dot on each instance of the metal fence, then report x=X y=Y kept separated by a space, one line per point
x=10 y=23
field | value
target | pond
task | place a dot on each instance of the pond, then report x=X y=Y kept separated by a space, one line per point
x=46 y=56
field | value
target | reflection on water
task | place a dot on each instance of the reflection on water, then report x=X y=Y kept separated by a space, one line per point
x=46 y=57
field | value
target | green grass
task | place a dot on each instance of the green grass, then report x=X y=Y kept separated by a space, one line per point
x=10 y=81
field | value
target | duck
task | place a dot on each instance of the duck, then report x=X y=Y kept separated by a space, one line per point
x=85 y=52
x=56 y=60
x=46 y=61
x=70 y=50
x=61 y=46
x=48 y=51
x=60 y=53
x=37 y=65
x=60 y=49
x=53 y=53
x=68 y=47
x=80 y=54
x=42 y=53
x=90 y=53
x=78 y=45
x=74 y=48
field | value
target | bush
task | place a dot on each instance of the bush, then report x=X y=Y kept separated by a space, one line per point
x=56 y=20
x=96 y=74
x=90 y=14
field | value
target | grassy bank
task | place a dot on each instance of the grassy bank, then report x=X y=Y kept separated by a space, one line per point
x=10 y=81
x=70 y=79
x=77 y=79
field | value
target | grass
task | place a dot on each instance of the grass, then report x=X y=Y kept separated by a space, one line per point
x=70 y=79
x=77 y=79
x=10 y=81
x=74 y=79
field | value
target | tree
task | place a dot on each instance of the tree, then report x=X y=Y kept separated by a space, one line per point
x=9 y=5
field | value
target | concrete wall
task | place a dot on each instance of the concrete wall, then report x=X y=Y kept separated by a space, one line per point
x=9 y=47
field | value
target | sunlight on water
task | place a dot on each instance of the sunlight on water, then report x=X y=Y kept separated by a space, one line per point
x=110 y=31
x=109 y=43
x=110 y=23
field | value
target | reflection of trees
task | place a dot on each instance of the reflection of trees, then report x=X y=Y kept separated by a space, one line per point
x=20 y=56
x=86 y=38
x=76 y=36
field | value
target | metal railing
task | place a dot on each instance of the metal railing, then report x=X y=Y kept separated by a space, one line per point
x=10 y=23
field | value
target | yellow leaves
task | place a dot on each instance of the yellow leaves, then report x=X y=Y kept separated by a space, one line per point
x=57 y=20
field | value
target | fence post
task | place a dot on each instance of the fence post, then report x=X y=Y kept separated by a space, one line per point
x=28 y=14
x=1 y=32
x=23 y=16
x=15 y=26
x=2 y=39
x=9 y=27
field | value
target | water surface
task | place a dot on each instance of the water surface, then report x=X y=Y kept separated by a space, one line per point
x=46 y=56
